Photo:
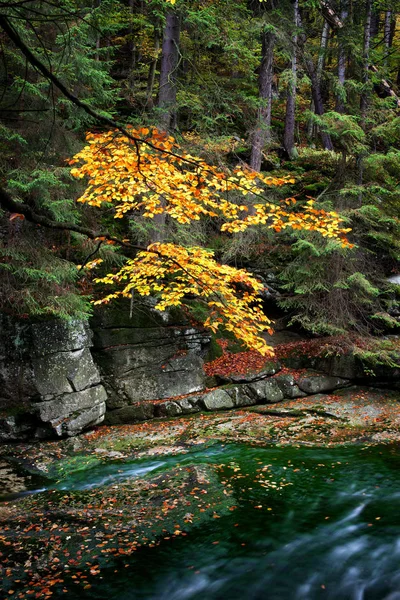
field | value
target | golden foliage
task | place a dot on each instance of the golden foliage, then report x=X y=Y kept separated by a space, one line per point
x=172 y=272
x=146 y=172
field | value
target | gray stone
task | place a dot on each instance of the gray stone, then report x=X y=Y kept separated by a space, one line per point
x=241 y=396
x=130 y=414
x=17 y=383
x=81 y=420
x=174 y=377
x=189 y=405
x=143 y=314
x=109 y=453
x=69 y=403
x=60 y=336
x=315 y=383
x=167 y=409
x=142 y=359
x=65 y=372
x=217 y=400
x=289 y=387
x=266 y=391
x=16 y=427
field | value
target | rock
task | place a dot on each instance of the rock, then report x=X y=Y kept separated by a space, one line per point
x=269 y=369
x=65 y=372
x=289 y=387
x=189 y=405
x=315 y=383
x=134 y=373
x=11 y=482
x=60 y=336
x=142 y=359
x=266 y=391
x=17 y=383
x=109 y=453
x=67 y=404
x=16 y=427
x=80 y=420
x=241 y=396
x=48 y=375
x=167 y=409
x=217 y=400
x=130 y=414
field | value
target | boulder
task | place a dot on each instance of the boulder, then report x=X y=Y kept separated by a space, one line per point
x=217 y=400
x=241 y=396
x=48 y=379
x=289 y=387
x=140 y=358
x=80 y=420
x=167 y=409
x=266 y=391
x=176 y=377
x=16 y=427
x=189 y=405
x=315 y=383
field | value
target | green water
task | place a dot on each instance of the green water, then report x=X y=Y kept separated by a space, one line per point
x=333 y=533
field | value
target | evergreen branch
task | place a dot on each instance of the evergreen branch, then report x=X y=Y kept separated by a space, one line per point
x=10 y=205
x=35 y=62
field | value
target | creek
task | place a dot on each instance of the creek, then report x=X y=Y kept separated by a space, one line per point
x=308 y=523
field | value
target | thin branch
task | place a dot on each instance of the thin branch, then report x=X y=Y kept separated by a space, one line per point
x=95 y=251
x=35 y=62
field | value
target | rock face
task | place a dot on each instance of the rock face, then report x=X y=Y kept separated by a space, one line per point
x=147 y=355
x=59 y=390
x=53 y=384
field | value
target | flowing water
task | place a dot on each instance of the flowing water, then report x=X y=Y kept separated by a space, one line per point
x=310 y=523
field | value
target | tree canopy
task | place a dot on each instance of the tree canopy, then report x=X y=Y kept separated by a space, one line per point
x=221 y=136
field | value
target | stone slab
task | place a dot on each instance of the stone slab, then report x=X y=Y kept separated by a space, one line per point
x=69 y=403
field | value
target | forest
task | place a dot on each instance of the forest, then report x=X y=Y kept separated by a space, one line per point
x=227 y=135
x=200 y=299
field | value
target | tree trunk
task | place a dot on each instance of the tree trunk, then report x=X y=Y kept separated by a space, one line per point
x=132 y=49
x=320 y=68
x=387 y=38
x=375 y=22
x=168 y=69
x=290 y=118
x=262 y=134
x=342 y=58
x=365 y=66
x=315 y=89
x=152 y=72
x=98 y=37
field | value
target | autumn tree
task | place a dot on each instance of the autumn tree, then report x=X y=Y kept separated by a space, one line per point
x=143 y=171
